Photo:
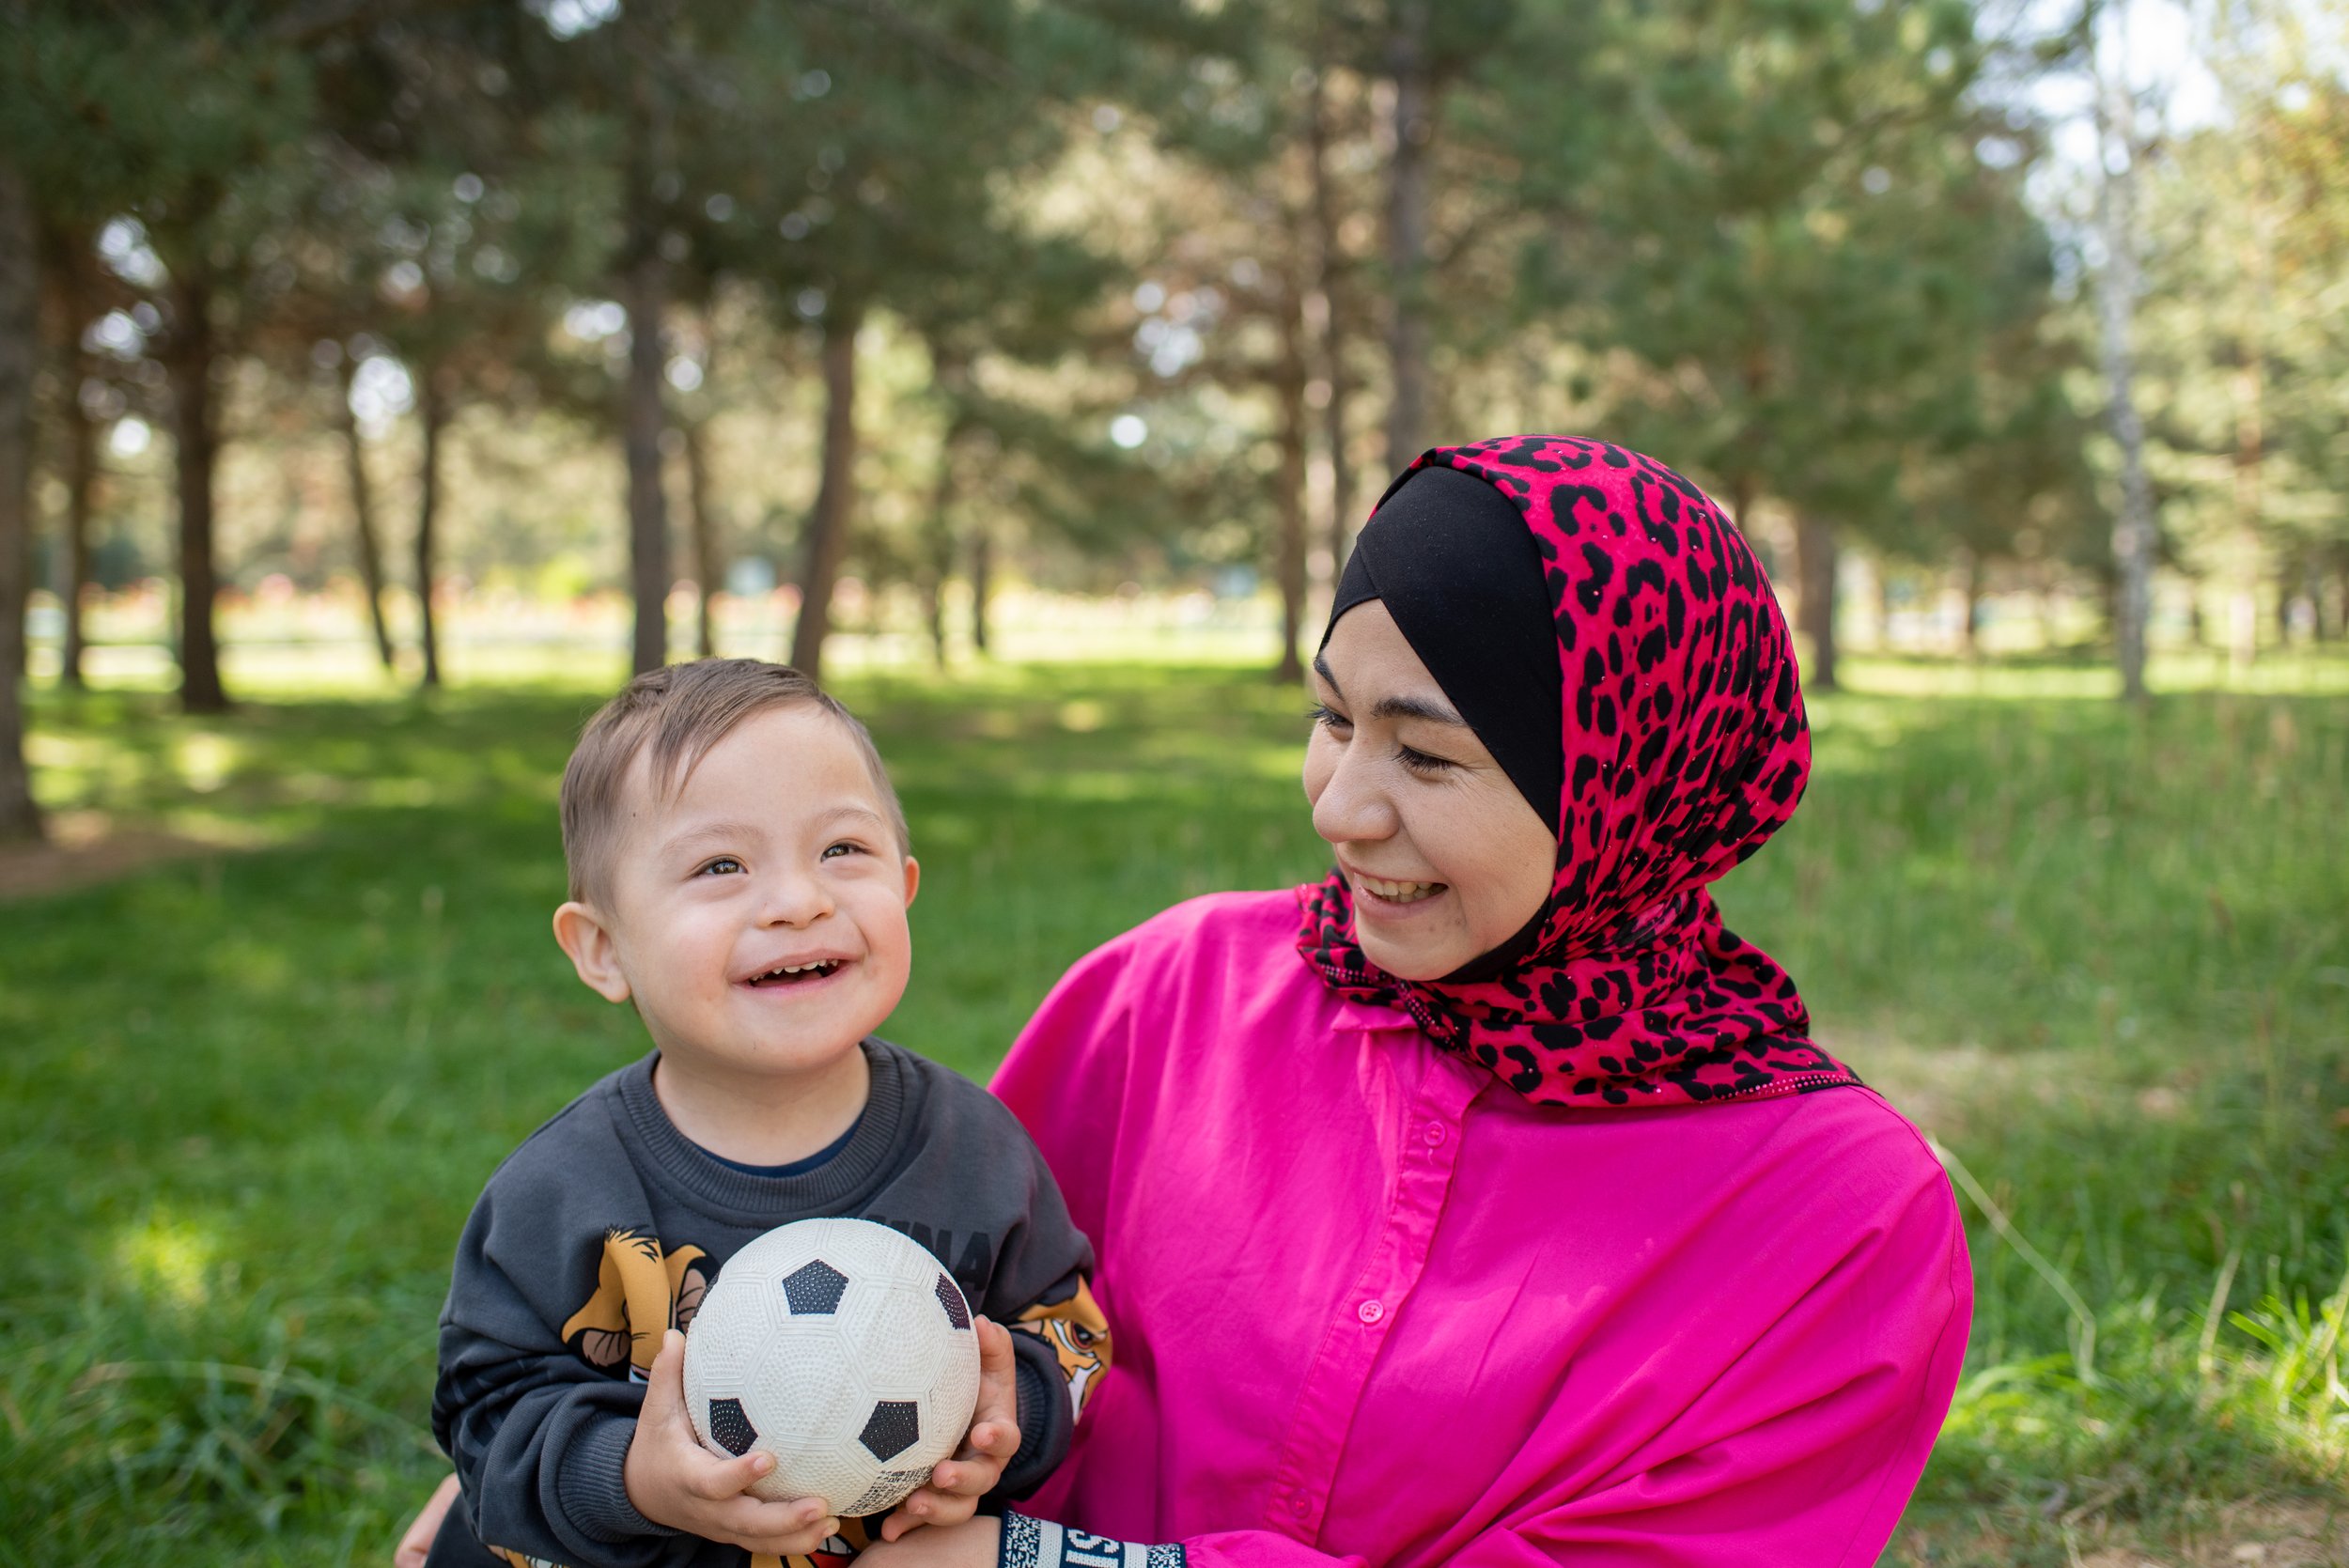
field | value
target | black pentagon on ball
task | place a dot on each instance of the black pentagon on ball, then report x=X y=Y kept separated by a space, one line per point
x=730 y=1427
x=894 y=1426
x=950 y=1297
x=814 y=1287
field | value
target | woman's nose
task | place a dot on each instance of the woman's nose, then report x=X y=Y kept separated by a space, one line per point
x=1351 y=807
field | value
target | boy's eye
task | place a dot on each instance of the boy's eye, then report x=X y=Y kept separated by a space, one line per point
x=842 y=848
x=724 y=865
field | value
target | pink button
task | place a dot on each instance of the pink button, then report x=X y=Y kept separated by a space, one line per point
x=1371 y=1312
x=1434 y=1133
x=1304 y=1507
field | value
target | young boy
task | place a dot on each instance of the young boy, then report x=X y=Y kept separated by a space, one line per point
x=739 y=870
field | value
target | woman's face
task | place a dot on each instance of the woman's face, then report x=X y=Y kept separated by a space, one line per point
x=1445 y=858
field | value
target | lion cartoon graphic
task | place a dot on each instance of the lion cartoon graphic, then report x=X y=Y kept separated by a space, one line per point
x=1079 y=1335
x=641 y=1292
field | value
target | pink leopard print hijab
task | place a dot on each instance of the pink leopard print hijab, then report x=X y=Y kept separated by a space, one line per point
x=1685 y=747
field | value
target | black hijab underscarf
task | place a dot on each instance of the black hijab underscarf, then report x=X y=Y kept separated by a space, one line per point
x=1452 y=558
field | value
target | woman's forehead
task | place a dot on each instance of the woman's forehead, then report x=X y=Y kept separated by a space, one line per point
x=1366 y=648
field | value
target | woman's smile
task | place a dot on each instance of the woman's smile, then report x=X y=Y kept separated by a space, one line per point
x=1378 y=891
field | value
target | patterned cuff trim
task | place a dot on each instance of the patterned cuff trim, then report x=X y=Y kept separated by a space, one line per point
x=1041 y=1543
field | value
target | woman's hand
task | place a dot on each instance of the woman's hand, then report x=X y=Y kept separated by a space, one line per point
x=416 y=1544
x=957 y=1485
x=973 y=1544
x=672 y=1480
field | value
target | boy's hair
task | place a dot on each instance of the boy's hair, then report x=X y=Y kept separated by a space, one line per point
x=683 y=710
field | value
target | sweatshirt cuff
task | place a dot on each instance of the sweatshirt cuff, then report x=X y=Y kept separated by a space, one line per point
x=1037 y=1397
x=592 y=1483
x=1041 y=1543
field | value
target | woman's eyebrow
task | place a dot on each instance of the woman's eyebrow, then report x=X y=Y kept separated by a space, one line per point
x=1393 y=708
x=1415 y=708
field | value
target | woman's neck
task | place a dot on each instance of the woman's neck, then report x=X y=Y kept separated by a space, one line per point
x=763 y=1119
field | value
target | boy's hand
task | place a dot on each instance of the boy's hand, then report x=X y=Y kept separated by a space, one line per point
x=672 y=1480
x=416 y=1544
x=957 y=1483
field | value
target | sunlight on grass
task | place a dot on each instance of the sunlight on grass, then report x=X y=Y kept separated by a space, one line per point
x=205 y=761
x=169 y=1256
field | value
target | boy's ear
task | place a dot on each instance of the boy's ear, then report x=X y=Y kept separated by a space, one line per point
x=913 y=879
x=586 y=940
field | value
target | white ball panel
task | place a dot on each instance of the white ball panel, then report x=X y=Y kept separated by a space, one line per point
x=723 y=1347
x=807 y=1391
x=896 y=1343
x=835 y=1474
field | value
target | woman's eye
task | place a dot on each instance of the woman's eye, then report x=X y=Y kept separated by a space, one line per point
x=1328 y=717
x=724 y=865
x=1420 y=762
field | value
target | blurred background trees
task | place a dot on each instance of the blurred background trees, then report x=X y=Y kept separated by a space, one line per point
x=762 y=298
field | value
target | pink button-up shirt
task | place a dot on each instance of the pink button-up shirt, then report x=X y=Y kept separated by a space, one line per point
x=1369 y=1306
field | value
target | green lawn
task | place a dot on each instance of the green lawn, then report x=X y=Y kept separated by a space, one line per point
x=248 y=1096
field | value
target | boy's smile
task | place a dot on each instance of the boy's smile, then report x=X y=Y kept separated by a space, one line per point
x=758 y=914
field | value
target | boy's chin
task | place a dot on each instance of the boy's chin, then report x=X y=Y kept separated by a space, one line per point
x=769 y=1053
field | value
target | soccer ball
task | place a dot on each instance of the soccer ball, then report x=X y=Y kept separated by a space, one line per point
x=842 y=1348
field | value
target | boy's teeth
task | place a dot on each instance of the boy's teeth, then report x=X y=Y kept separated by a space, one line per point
x=822 y=966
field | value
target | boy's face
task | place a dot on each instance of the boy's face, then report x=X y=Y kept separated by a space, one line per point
x=776 y=855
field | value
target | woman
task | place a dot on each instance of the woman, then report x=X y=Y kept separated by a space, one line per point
x=1487 y=1202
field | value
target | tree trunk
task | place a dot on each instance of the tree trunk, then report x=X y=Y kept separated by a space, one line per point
x=827 y=526
x=1406 y=233
x=432 y=411
x=1814 y=607
x=68 y=251
x=81 y=489
x=1288 y=569
x=982 y=584
x=363 y=513
x=647 y=508
x=1741 y=494
x=1973 y=588
x=20 y=327
x=188 y=363
x=939 y=530
x=1330 y=266
x=2133 y=537
x=703 y=520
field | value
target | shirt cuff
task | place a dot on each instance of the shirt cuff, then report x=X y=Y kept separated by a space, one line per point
x=1041 y=1543
x=592 y=1484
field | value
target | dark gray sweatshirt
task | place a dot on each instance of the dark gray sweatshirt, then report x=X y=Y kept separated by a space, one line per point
x=607 y=1225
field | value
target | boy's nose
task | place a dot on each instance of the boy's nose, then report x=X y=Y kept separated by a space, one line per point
x=794 y=901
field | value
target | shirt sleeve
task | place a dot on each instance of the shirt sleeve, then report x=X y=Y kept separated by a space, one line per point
x=539 y=1438
x=1058 y=1335
x=1064 y=1079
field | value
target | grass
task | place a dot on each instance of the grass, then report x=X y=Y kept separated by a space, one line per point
x=248 y=1095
